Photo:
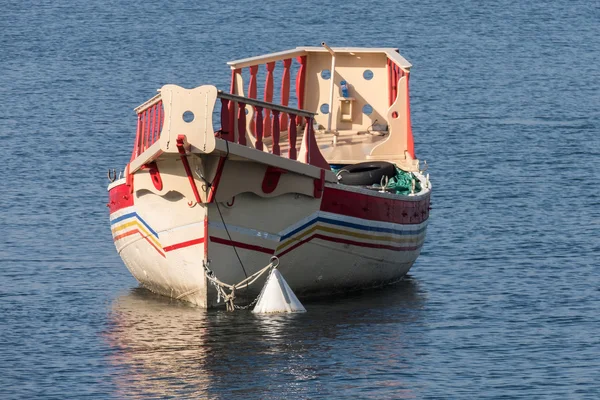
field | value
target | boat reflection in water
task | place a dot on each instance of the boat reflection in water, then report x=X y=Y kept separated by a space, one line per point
x=163 y=347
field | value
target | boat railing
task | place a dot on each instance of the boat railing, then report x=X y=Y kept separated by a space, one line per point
x=242 y=119
x=241 y=122
x=280 y=63
x=150 y=118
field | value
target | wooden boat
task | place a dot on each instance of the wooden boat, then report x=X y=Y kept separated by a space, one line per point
x=219 y=182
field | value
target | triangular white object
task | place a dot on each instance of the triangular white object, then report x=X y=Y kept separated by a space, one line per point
x=277 y=297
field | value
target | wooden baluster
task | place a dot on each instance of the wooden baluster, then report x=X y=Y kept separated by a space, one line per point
x=389 y=71
x=136 y=145
x=292 y=152
x=153 y=125
x=242 y=123
x=268 y=97
x=410 y=141
x=231 y=134
x=224 y=117
x=252 y=84
x=308 y=132
x=300 y=81
x=143 y=135
x=285 y=92
x=258 y=128
x=394 y=82
x=159 y=120
x=276 y=131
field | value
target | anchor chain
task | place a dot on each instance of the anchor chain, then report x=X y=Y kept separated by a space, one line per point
x=229 y=298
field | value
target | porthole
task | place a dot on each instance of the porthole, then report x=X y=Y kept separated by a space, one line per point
x=324 y=108
x=368 y=74
x=326 y=74
x=367 y=109
x=188 y=116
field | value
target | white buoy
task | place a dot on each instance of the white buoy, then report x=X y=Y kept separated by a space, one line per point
x=277 y=297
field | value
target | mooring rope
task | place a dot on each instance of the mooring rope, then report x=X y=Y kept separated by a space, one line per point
x=229 y=298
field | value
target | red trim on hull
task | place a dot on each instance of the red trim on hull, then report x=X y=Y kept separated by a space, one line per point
x=346 y=241
x=242 y=245
x=216 y=180
x=119 y=197
x=359 y=205
x=183 y=244
x=142 y=235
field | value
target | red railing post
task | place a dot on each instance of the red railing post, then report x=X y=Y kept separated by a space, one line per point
x=390 y=78
x=152 y=112
x=136 y=145
x=224 y=117
x=268 y=97
x=258 y=128
x=231 y=134
x=300 y=81
x=252 y=83
x=292 y=153
x=241 y=123
x=143 y=146
x=307 y=133
x=276 y=131
x=159 y=119
x=410 y=142
x=285 y=92
x=394 y=82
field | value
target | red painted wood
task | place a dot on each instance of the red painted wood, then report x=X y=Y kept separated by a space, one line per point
x=183 y=244
x=346 y=241
x=241 y=245
x=258 y=128
x=242 y=123
x=361 y=205
x=285 y=92
x=161 y=118
x=136 y=145
x=319 y=185
x=394 y=83
x=252 y=83
x=271 y=179
x=216 y=180
x=389 y=72
x=224 y=117
x=231 y=124
x=292 y=152
x=301 y=81
x=152 y=113
x=268 y=98
x=410 y=141
x=186 y=166
x=313 y=154
x=119 y=197
x=276 y=131
x=155 y=175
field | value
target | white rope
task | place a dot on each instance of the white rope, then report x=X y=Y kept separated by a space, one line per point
x=229 y=298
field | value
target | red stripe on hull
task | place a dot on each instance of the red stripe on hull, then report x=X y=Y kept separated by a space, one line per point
x=350 y=242
x=359 y=205
x=119 y=197
x=183 y=244
x=242 y=245
x=142 y=235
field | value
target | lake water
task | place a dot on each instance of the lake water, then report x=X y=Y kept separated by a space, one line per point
x=504 y=301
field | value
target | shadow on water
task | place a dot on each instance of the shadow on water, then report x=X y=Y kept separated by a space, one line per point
x=166 y=347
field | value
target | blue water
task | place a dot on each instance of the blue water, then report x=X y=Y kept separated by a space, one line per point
x=503 y=303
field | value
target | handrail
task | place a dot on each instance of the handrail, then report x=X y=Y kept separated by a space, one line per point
x=148 y=103
x=264 y=104
x=259 y=60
